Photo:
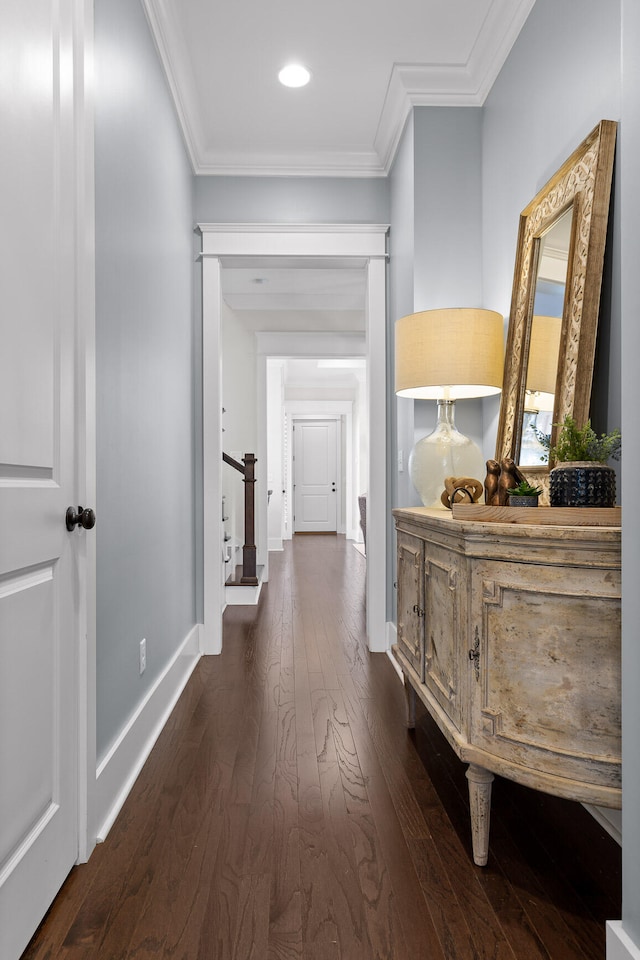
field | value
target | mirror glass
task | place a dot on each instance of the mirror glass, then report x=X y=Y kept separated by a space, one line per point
x=544 y=338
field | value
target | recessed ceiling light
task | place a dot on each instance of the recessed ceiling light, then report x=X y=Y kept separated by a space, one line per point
x=294 y=75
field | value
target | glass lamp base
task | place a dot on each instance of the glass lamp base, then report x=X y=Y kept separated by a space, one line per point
x=444 y=453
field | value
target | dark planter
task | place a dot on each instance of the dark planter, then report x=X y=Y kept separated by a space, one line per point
x=531 y=501
x=582 y=484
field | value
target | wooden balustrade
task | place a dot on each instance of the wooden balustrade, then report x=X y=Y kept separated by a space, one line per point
x=247 y=469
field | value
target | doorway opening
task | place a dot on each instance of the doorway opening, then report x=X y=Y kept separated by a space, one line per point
x=317 y=446
x=301 y=247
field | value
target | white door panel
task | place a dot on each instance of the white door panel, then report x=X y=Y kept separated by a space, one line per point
x=39 y=572
x=315 y=476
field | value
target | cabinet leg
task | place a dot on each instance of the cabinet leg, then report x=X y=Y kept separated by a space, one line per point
x=480 y=781
x=410 y=700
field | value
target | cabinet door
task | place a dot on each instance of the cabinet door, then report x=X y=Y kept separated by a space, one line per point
x=546 y=690
x=443 y=624
x=411 y=600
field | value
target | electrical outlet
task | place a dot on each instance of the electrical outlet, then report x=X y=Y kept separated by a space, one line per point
x=143 y=656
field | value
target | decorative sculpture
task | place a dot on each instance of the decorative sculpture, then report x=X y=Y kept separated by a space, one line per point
x=459 y=490
x=491 y=483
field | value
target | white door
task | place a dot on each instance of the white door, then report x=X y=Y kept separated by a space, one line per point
x=315 y=479
x=41 y=573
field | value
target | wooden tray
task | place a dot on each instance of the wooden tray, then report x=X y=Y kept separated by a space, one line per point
x=552 y=516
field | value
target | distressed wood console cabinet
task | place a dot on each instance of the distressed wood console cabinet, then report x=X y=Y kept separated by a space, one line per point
x=510 y=636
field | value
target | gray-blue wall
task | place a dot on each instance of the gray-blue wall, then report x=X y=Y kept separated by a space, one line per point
x=448 y=232
x=448 y=207
x=436 y=251
x=561 y=78
x=144 y=345
x=291 y=200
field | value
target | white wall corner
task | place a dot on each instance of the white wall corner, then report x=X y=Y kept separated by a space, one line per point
x=620 y=946
x=275 y=544
x=118 y=771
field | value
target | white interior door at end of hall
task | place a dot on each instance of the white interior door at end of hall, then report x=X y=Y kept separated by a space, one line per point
x=315 y=476
x=39 y=558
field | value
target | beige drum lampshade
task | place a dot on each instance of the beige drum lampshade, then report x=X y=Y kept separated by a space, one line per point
x=453 y=354
x=542 y=365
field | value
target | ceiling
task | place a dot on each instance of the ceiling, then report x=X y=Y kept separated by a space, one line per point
x=274 y=293
x=371 y=62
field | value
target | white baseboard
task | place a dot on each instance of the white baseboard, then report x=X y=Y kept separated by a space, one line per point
x=117 y=773
x=392 y=638
x=392 y=634
x=275 y=543
x=620 y=946
x=611 y=820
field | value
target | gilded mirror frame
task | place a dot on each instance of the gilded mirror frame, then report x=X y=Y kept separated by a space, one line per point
x=584 y=183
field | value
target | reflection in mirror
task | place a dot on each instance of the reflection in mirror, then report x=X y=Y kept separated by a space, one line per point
x=544 y=342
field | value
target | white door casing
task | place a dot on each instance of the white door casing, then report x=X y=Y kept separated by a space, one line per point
x=343 y=241
x=46 y=286
x=316 y=476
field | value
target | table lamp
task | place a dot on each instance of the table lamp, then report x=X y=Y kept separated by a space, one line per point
x=447 y=355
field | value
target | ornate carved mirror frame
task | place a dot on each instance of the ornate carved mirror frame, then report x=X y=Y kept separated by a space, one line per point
x=582 y=183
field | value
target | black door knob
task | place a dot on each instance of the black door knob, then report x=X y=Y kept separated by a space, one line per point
x=85 y=517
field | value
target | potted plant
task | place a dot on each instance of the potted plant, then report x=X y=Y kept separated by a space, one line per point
x=524 y=495
x=581 y=476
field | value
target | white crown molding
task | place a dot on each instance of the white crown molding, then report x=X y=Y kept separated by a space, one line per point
x=291 y=164
x=410 y=85
x=459 y=85
x=160 y=21
x=314 y=228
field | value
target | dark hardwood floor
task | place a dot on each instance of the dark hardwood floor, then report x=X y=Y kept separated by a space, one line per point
x=285 y=813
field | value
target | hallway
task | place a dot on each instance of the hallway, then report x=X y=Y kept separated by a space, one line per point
x=285 y=812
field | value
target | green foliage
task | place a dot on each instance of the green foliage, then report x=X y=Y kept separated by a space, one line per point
x=524 y=489
x=582 y=443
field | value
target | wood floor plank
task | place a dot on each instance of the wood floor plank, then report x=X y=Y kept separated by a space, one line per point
x=318 y=916
x=383 y=925
x=285 y=909
x=417 y=924
x=343 y=891
x=219 y=928
x=321 y=708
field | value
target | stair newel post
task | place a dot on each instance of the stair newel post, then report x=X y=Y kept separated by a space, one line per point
x=249 y=569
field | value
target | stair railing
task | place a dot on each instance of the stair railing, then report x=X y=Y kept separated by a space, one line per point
x=247 y=469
